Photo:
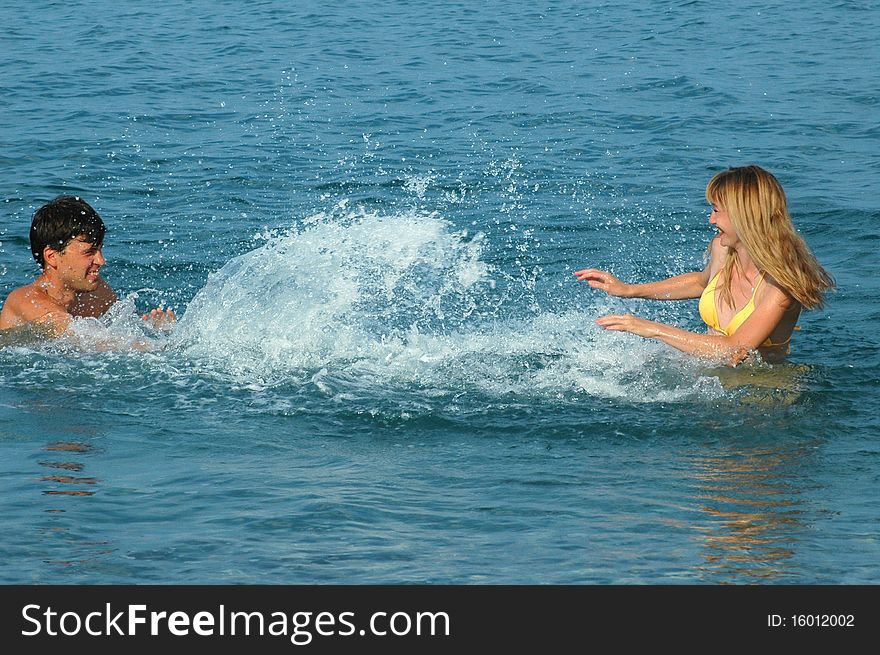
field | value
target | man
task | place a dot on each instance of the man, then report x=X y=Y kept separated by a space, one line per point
x=66 y=240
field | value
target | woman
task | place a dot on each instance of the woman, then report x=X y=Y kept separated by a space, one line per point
x=759 y=276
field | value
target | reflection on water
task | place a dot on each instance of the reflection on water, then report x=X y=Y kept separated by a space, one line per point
x=69 y=466
x=64 y=484
x=764 y=384
x=754 y=516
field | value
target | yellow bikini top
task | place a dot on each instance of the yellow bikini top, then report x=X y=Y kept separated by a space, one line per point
x=709 y=312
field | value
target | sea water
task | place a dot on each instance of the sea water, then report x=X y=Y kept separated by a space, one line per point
x=367 y=217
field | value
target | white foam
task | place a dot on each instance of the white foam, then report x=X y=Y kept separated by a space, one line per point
x=120 y=329
x=363 y=300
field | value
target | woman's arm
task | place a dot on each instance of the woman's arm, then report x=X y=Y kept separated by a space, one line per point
x=728 y=349
x=714 y=347
x=679 y=287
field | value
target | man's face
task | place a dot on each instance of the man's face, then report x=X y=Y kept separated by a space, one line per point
x=78 y=264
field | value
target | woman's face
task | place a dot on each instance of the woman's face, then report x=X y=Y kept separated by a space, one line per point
x=724 y=225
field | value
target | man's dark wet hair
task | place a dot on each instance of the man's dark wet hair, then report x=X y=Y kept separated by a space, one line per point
x=62 y=220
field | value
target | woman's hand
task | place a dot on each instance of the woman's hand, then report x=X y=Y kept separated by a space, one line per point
x=716 y=349
x=604 y=281
x=629 y=323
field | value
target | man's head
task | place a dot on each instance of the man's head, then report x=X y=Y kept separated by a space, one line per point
x=64 y=219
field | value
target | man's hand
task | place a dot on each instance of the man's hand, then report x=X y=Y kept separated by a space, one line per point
x=160 y=318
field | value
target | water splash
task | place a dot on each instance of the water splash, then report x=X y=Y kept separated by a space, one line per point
x=407 y=302
x=400 y=309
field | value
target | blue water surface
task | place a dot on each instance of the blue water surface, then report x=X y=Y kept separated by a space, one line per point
x=367 y=216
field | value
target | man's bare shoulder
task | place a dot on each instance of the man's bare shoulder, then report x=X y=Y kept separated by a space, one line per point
x=17 y=300
x=28 y=304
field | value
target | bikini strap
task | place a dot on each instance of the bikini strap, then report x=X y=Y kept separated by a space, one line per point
x=758 y=284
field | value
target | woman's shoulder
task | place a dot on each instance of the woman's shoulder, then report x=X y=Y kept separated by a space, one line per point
x=717 y=255
x=775 y=292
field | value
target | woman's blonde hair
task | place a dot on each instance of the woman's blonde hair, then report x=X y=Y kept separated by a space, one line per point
x=755 y=202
